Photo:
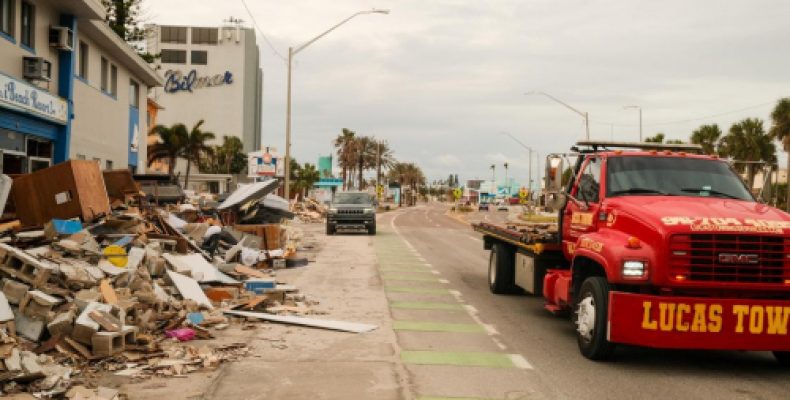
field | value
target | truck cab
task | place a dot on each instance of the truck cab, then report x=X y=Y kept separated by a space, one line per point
x=660 y=247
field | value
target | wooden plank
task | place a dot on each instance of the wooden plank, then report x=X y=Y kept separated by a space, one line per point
x=243 y=269
x=107 y=292
x=310 y=322
x=106 y=321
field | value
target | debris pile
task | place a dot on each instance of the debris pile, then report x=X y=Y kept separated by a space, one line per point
x=94 y=279
x=310 y=211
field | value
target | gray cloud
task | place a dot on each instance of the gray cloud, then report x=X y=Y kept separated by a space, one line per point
x=439 y=79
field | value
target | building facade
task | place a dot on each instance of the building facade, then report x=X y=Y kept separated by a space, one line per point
x=70 y=88
x=211 y=74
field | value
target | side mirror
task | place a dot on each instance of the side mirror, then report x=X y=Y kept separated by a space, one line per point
x=555 y=198
x=554 y=170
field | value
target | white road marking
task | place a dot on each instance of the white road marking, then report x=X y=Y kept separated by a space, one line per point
x=445 y=281
x=490 y=329
x=498 y=343
x=435 y=272
x=519 y=361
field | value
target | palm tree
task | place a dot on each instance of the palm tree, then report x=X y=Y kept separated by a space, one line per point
x=385 y=158
x=747 y=141
x=306 y=177
x=344 y=143
x=781 y=131
x=170 y=146
x=707 y=136
x=231 y=149
x=365 y=153
x=195 y=147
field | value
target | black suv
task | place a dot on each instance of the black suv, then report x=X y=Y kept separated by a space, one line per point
x=355 y=210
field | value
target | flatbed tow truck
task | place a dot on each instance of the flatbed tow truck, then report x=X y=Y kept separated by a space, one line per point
x=655 y=245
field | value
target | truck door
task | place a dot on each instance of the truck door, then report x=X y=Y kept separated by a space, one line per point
x=578 y=219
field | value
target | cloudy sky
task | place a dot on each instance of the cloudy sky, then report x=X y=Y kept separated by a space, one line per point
x=442 y=79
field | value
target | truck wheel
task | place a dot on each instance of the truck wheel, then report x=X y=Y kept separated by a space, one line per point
x=591 y=319
x=330 y=230
x=501 y=269
x=783 y=357
x=372 y=230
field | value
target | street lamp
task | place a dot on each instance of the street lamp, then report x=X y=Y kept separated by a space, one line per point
x=291 y=53
x=584 y=115
x=640 y=118
x=529 y=154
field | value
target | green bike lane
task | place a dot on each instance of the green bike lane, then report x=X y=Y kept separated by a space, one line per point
x=448 y=351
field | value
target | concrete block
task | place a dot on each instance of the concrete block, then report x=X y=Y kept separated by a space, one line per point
x=14 y=362
x=105 y=344
x=62 y=324
x=27 y=327
x=30 y=362
x=84 y=326
x=129 y=334
x=38 y=305
x=14 y=291
x=86 y=296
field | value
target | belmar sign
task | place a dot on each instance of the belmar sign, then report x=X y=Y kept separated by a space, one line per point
x=177 y=81
x=21 y=96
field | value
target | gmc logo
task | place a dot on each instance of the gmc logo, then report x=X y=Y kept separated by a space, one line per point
x=732 y=258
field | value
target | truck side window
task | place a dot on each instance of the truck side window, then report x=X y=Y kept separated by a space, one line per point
x=590 y=181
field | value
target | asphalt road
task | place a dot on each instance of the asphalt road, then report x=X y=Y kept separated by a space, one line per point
x=548 y=343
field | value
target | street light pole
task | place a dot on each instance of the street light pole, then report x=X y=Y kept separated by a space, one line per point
x=529 y=154
x=640 y=119
x=584 y=114
x=507 y=186
x=291 y=53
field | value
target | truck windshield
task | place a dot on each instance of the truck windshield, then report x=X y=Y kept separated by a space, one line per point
x=352 y=198
x=673 y=176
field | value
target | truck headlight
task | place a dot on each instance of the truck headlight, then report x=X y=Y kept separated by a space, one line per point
x=369 y=211
x=633 y=269
x=333 y=210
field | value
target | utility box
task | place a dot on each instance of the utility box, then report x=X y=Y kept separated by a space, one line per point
x=73 y=189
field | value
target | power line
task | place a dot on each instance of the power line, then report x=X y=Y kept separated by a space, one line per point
x=260 y=31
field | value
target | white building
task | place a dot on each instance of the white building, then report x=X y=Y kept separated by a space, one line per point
x=69 y=88
x=211 y=74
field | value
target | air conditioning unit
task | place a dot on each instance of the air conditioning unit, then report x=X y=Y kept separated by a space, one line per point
x=36 y=69
x=61 y=38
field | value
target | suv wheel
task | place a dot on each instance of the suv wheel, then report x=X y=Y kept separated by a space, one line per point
x=330 y=229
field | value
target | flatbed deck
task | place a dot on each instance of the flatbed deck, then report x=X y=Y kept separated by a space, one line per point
x=536 y=238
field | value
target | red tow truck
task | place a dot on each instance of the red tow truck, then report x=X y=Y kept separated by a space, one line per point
x=655 y=245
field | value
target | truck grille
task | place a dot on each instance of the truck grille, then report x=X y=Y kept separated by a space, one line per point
x=349 y=211
x=729 y=258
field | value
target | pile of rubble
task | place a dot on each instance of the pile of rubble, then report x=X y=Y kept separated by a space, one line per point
x=110 y=284
x=310 y=211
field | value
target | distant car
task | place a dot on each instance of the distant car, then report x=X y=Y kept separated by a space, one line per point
x=482 y=207
x=502 y=206
x=351 y=210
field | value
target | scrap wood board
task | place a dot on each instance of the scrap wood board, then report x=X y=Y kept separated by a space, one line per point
x=312 y=322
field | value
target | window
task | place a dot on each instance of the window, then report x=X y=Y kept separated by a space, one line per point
x=174 y=34
x=83 y=60
x=81 y=156
x=7 y=17
x=199 y=57
x=105 y=75
x=134 y=94
x=114 y=80
x=108 y=165
x=205 y=35
x=174 y=56
x=28 y=24
x=590 y=181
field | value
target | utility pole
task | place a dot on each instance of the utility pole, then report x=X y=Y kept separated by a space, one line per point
x=507 y=185
x=378 y=166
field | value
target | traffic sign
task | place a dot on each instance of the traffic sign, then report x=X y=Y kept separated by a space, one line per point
x=457 y=193
x=523 y=193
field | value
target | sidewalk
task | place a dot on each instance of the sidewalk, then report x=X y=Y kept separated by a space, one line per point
x=288 y=362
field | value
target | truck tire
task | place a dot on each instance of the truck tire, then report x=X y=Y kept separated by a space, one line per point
x=330 y=230
x=590 y=316
x=783 y=358
x=501 y=269
x=372 y=230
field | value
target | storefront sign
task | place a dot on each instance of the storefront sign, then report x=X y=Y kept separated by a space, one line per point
x=22 y=96
x=177 y=81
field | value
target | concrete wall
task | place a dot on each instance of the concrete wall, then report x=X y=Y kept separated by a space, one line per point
x=101 y=122
x=12 y=53
x=228 y=110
